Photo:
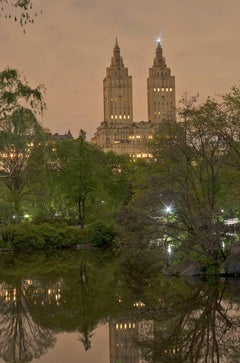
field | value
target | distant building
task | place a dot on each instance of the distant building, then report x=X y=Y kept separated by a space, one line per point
x=60 y=137
x=118 y=131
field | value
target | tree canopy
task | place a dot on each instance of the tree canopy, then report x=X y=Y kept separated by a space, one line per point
x=21 y=11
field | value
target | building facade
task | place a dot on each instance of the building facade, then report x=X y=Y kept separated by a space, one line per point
x=119 y=132
x=160 y=90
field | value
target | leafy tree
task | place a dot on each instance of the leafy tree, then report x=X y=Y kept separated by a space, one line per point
x=20 y=132
x=88 y=185
x=21 y=11
x=191 y=173
x=76 y=178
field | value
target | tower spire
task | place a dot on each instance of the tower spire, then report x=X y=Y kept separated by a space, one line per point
x=117 y=89
x=161 y=88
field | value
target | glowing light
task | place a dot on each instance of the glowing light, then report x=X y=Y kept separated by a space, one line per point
x=159 y=40
x=168 y=209
x=169 y=249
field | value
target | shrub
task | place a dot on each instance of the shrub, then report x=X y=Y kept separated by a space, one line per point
x=22 y=237
x=58 y=235
x=42 y=236
x=54 y=236
x=102 y=235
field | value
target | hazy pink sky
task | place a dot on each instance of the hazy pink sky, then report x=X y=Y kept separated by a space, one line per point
x=70 y=45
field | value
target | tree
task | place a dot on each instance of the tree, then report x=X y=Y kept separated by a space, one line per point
x=191 y=173
x=20 y=132
x=76 y=178
x=88 y=184
x=21 y=11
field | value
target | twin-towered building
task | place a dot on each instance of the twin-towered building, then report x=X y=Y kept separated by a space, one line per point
x=118 y=131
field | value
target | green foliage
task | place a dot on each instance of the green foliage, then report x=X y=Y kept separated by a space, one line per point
x=86 y=184
x=22 y=237
x=58 y=235
x=195 y=170
x=21 y=11
x=102 y=235
x=20 y=134
x=43 y=236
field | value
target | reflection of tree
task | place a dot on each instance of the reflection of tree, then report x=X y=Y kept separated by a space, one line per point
x=194 y=326
x=21 y=338
x=75 y=292
x=85 y=291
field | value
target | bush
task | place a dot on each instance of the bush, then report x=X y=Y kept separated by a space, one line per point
x=42 y=236
x=22 y=237
x=54 y=236
x=102 y=235
x=58 y=236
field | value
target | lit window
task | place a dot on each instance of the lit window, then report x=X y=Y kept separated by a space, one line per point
x=158 y=89
x=111 y=116
x=115 y=116
x=162 y=89
x=170 y=89
x=154 y=89
x=167 y=89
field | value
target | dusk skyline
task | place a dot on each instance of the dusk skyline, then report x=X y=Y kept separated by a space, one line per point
x=70 y=45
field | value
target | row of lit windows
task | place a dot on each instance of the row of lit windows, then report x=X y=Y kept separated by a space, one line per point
x=143 y=155
x=132 y=137
x=162 y=89
x=125 y=326
x=120 y=116
x=117 y=99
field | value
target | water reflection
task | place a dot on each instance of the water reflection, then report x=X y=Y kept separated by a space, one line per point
x=150 y=318
x=21 y=338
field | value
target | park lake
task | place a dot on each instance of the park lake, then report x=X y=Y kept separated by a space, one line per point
x=90 y=306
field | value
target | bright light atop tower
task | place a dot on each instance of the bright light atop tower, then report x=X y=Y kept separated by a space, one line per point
x=159 y=39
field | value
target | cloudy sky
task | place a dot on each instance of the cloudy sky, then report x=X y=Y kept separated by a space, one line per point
x=70 y=45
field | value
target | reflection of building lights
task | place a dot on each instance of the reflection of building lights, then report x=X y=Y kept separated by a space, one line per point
x=169 y=249
x=138 y=304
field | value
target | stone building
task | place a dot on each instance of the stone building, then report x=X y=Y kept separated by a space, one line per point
x=118 y=132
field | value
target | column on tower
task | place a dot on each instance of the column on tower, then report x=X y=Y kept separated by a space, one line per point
x=161 y=90
x=117 y=91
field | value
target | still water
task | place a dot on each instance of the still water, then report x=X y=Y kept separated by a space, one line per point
x=88 y=306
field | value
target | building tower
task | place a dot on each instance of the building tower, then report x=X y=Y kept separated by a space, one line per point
x=117 y=91
x=161 y=89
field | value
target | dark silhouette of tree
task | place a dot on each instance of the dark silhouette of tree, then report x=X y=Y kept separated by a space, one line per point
x=199 y=326
x=192 y=172
x=21 y=11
